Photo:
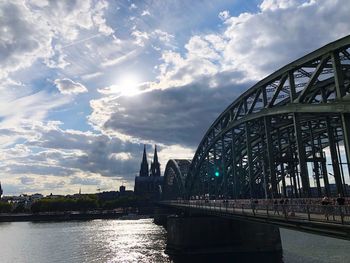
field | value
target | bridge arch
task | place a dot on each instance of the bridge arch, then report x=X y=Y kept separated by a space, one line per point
x=288 y=135
x=174 y=178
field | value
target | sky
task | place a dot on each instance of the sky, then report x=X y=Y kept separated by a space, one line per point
x=85 y=84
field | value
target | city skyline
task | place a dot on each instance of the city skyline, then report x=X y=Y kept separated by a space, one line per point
x=85 y=84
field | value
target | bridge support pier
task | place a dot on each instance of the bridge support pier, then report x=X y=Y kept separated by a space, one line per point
x=161 y=214
x=206 y=235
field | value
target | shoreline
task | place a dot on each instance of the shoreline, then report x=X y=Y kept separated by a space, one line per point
x=66 y=216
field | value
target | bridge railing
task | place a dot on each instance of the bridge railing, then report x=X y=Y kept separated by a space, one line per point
x=339 y=214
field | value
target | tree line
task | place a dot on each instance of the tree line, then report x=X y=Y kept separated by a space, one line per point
x=62 y=204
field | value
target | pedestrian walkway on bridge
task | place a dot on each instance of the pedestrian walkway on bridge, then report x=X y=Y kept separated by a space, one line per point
x=331 y=220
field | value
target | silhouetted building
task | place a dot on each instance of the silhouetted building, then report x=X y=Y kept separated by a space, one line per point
x=155 y=166
x=1 y=192
x=122 y=189
x=144 y=164
x=146 y=185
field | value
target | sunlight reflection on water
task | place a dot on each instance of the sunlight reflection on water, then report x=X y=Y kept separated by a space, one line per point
x=132 y=241
x=90 y=241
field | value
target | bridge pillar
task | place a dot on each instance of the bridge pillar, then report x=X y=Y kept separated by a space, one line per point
x=161 y=214
x=206 y=235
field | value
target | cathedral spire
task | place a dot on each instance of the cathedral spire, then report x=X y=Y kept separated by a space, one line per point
x=155 y=157
x=155 y=166
x=144 y=157
x=1 y=192
x=144 y=164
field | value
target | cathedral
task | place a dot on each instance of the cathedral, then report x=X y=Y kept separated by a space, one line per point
x=149 y=182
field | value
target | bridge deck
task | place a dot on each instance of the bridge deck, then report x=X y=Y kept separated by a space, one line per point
x=328 y=220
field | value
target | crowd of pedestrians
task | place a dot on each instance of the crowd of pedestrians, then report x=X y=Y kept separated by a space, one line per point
x=325 y=205
x=332 y=208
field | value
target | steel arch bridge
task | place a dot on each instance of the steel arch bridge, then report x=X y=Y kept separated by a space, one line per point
x=288 y=135
x=174 y=178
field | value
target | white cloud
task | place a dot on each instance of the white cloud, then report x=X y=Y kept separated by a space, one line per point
x=65 y=18
x=162 y=36
x=256 y=44
x=99 y=19
x=140 y=37
x=28 y=110
x=92 y=75
x=157 y=36
x=224 y=15
x=174 y=152
x=200 y=61
x=28 y=30
x=22 y=38
x=145 y=13
x=132 y=6
x=120 y=156
x=68 y=86
x=260 y=43
x=277 y=4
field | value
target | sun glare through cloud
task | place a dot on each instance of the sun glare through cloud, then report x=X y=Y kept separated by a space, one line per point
x=127 y=84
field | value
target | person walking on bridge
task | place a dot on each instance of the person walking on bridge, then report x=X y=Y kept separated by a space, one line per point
x=275 y=207
x=253 y=204
x=325 y=202
x=340 y=200
x=282 y=206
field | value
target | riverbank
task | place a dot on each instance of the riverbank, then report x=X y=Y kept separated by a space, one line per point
x=61 y=216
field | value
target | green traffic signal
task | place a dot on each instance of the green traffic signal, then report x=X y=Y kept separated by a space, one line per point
x=217 y=173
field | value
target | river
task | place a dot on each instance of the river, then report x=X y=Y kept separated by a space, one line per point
x=132 y=241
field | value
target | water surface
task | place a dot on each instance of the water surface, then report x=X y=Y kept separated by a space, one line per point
x=132 y=241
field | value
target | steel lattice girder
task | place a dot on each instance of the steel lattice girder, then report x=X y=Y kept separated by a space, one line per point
x=174 y=178
x=273 y=118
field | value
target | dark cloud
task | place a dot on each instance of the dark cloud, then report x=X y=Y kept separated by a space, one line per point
x=173 y=116
x=39 y=169
x=27 y=180
x=73 y=151
x=22 y=38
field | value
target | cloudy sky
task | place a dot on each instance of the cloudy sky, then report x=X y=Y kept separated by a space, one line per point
x=84 y=84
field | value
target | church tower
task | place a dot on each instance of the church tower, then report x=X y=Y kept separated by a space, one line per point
x=1 y=192
x=144 y=165
x=155 y=166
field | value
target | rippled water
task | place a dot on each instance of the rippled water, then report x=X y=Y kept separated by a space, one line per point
x=131 y=241
x=299 y=247
x=88 y=241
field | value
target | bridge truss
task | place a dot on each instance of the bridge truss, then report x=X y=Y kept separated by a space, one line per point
x=288 y=135
x=174 y=179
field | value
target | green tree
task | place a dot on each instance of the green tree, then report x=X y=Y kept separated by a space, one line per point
x=5 y=207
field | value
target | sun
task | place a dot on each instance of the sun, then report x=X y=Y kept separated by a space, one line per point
x=128 y=84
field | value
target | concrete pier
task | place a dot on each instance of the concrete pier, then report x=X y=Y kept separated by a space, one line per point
x=198 y=235
x=161 y=214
